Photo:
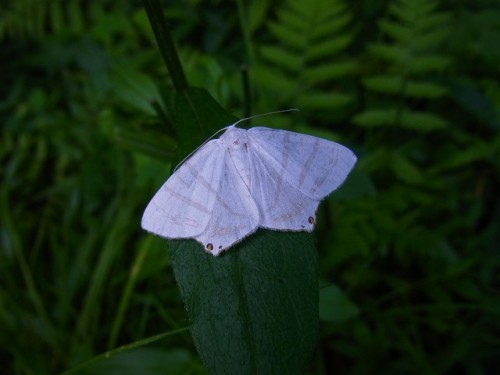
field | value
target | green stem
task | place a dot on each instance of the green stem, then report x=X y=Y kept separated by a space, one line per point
x=165 y=43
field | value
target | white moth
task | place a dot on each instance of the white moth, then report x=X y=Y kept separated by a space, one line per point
x=244 y=180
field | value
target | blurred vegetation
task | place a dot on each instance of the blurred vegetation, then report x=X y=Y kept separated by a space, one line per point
x=408 y=248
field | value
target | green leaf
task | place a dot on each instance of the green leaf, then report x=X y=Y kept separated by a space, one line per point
x=389 y=84
x=476 y=151
x=393 y=84
x=335 y=306
x=287 y=35
x=425 y=64
x=430 y=39
x=253 y=309
x=404 y=169
x=376 y=117
x=198 y=116
x=330 y=71
x=334 y=25
x=427 y=90
x=328 y=47
x=274 y=79
x=157 y=144
x=282 y=58
x=422 y=121
x=136 y=89
x=401 y=33
x=391 y=53
x=257 y=11
x=319 y=100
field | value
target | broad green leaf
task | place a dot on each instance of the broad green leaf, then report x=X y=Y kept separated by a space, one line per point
x=198 y=116
x=253 y=309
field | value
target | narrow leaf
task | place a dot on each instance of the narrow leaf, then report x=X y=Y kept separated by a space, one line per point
x=404 y=169
x=401 y=33
x=334 y=26
x=330 y=71
x=292 y=38
x=376 y=117
x=422 y=121
x=281 y=58
x=427 y=90
x=396 y=84
x=318 y=100
x=329 y=47
x=429 y=63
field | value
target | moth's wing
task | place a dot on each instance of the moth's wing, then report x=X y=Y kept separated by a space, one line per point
x=183 y=206
x=235 y=214
x=313 y=165
x=282 y=205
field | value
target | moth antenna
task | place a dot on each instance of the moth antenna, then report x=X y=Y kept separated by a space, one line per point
x=264 y=114
x=225 y=128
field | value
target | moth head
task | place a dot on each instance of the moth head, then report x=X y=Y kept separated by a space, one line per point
x=234 y=138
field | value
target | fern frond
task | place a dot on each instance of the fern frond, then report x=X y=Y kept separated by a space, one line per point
x=415 y=33
x=310 y=38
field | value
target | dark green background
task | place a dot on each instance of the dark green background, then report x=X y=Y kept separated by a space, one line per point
x=407 y=248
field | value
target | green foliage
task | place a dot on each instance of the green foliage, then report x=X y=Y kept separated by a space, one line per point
x=416 y=31
x=407 y=248
x=305 y=64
